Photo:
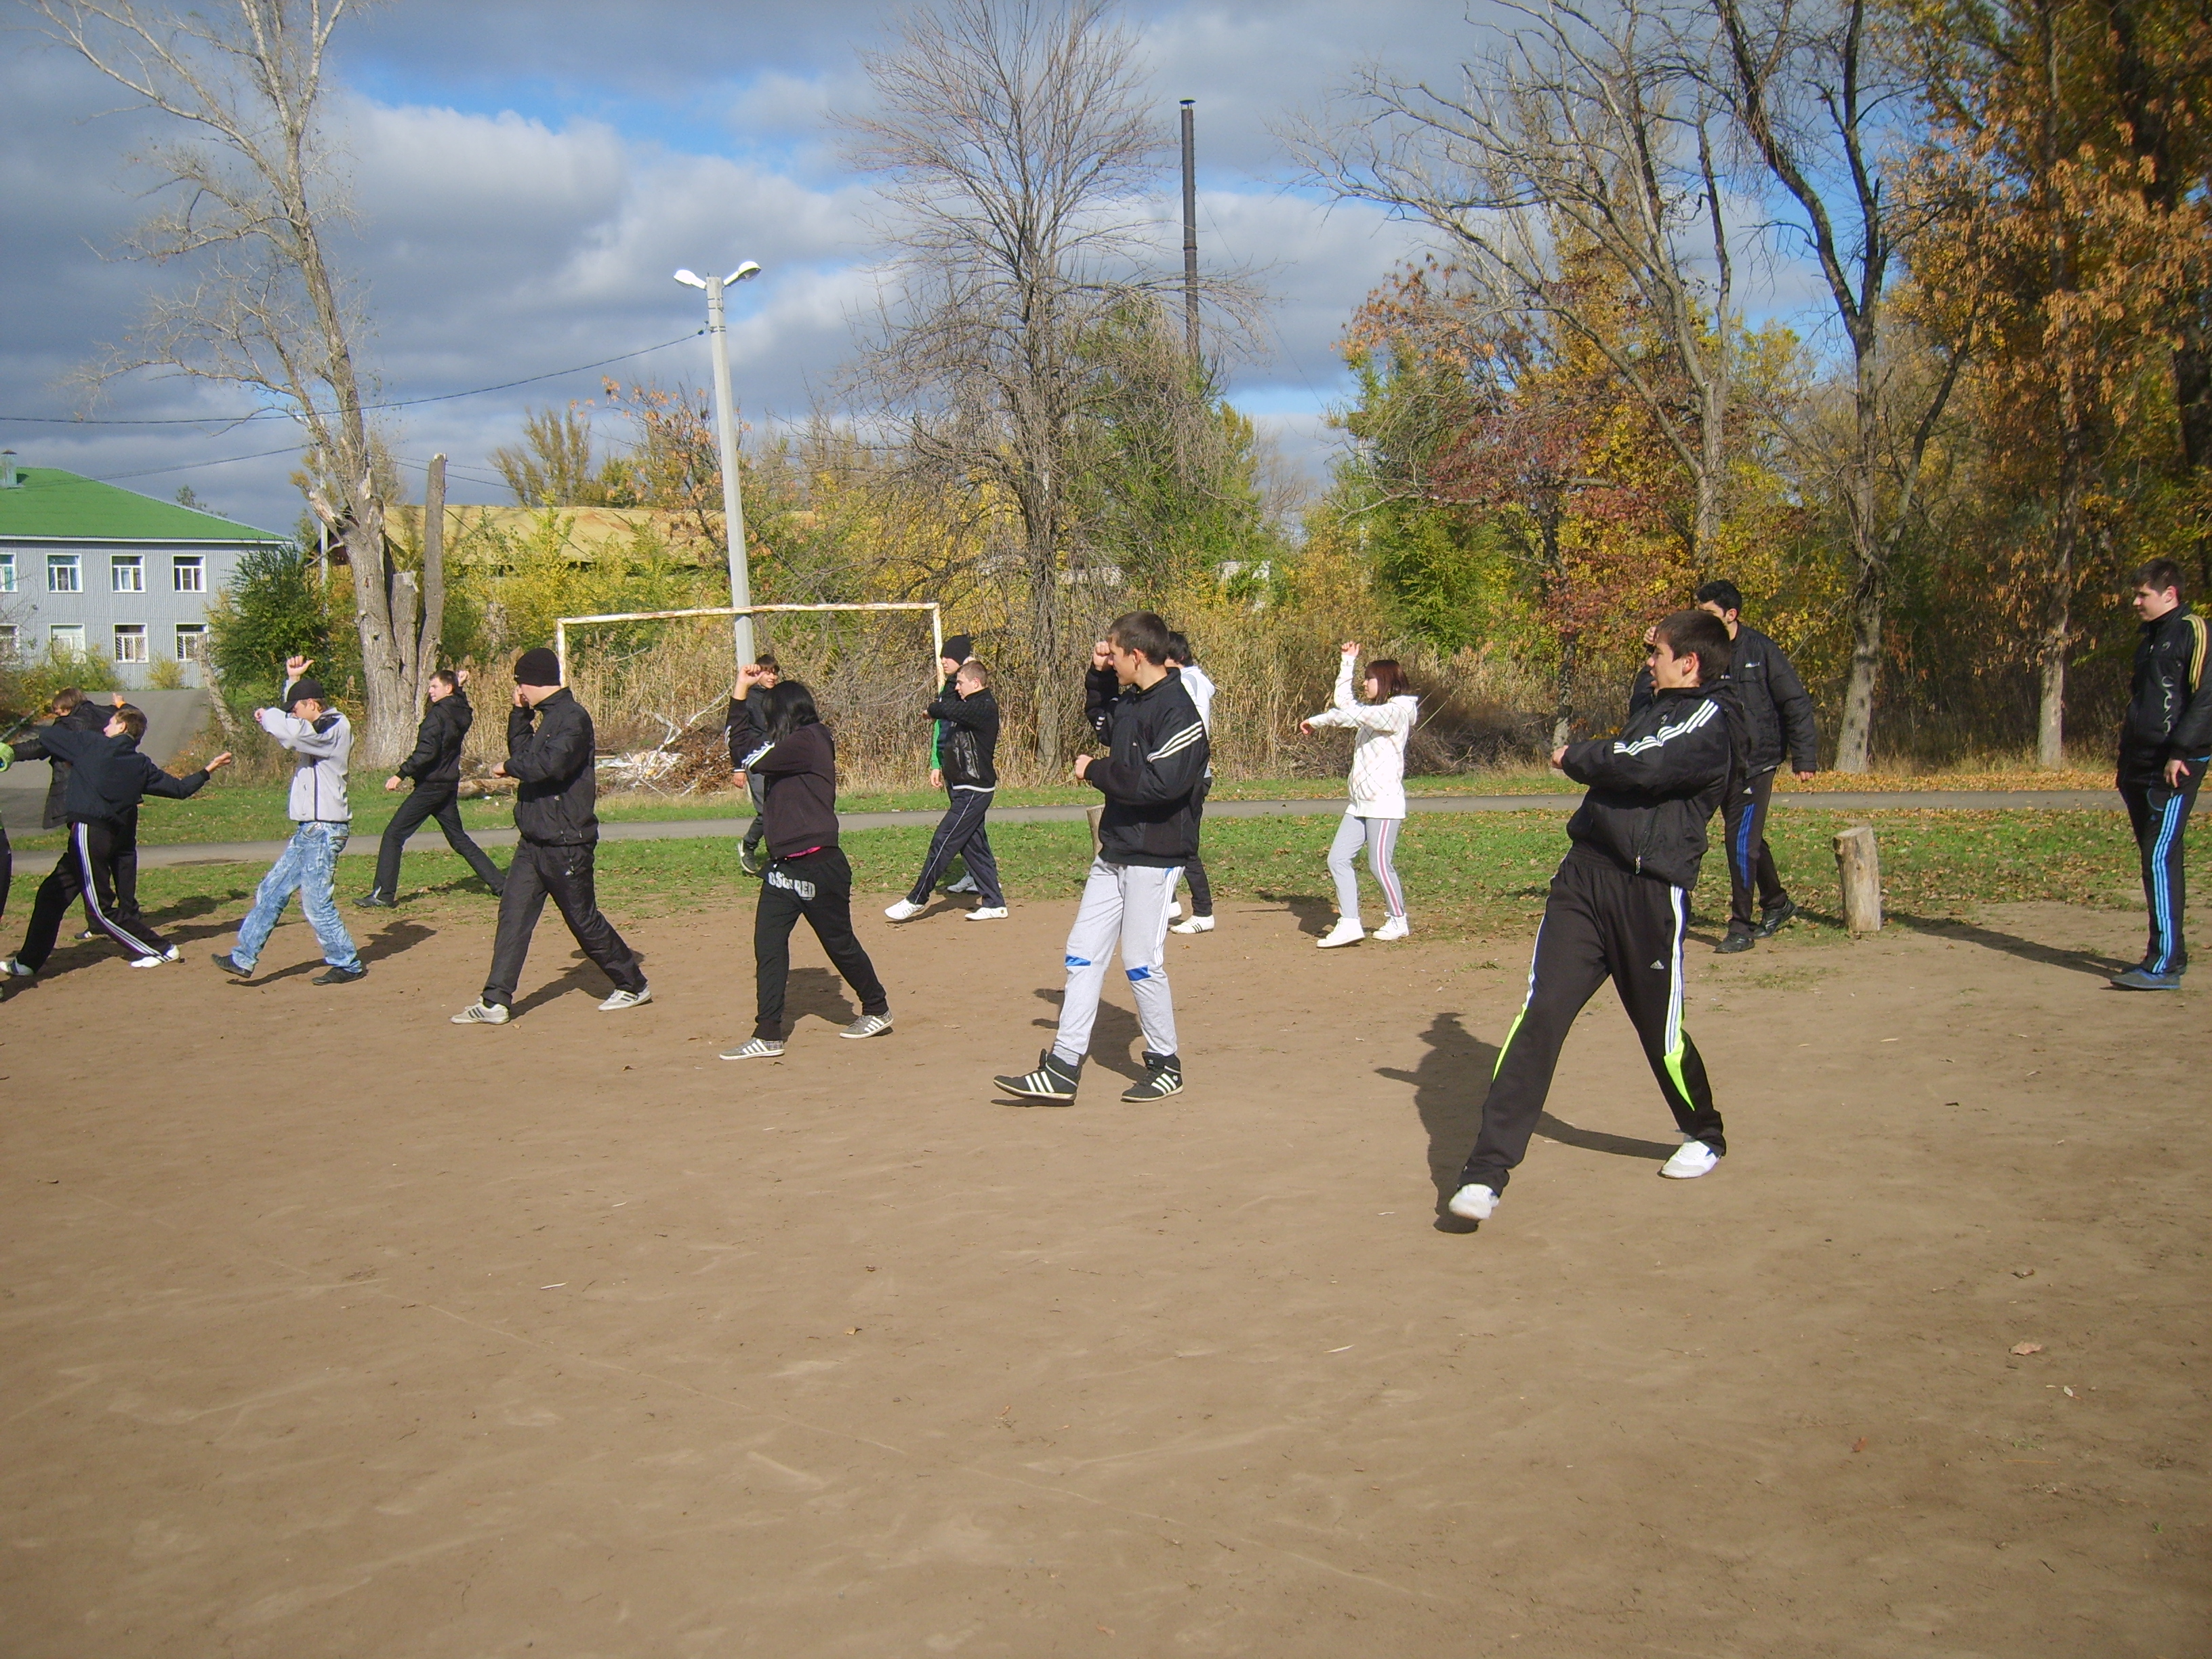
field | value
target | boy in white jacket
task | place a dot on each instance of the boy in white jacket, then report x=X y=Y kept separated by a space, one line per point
x=1380 y=726
x=322 y=821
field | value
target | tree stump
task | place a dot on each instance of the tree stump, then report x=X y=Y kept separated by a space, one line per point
x=1858 y=865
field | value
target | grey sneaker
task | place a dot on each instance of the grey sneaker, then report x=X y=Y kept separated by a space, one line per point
x=867 y=1025
x=483 y=1013
x=2141 y=979
x=758 y=1048
x=621 y=1000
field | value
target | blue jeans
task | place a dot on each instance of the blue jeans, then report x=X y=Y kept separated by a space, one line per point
x=308 y=866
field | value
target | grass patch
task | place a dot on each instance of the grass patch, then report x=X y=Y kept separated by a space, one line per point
x=1473 y=877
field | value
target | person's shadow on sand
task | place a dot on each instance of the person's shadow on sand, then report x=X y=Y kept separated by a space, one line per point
x=1449 y=1085
x=1115 y=1034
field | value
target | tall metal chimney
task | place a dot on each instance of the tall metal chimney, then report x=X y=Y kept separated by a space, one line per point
x=1189 y=230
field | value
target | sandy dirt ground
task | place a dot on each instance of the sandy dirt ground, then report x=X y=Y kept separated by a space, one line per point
x=332 y=1328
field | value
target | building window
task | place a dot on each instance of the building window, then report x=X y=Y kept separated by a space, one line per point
x=66 y=640
x=188 y=571
x=191 y=642
x=61 y=573
x=10 y=642
x=127 y=574
x=130 y=642
x=7 y=573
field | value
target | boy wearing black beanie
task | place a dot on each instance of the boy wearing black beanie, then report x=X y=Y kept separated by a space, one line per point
x=550 y=750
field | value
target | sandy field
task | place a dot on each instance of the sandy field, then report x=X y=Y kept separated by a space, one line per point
x=332 y=1328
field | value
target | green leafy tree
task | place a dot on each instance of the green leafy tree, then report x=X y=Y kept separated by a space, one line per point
x=273 y=609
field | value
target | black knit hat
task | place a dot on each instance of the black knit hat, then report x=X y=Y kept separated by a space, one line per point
x=302 y=691
x=538 y=667
x=959 y=648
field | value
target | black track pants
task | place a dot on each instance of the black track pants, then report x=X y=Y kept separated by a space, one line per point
x=440 y=801
x=757 y=786
x=2160 y=818
x=1600 y=923
x=87 y=867
x=1750 y=859
x=962 y=833
x=7 y=869
x=818 y=886
x=564 y=874
x=1193 y=868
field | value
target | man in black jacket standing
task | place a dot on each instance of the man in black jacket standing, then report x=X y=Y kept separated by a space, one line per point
x=966 y=745
x=1620 y=902
x=551 y=751
x=1778 y=713
x=435 y=768
x=2165 y=742
x=1157 y=755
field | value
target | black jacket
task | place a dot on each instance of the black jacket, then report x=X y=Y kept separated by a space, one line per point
x=967 y=741
x=800 y=806
x=2170 y=704
x=1101 y=689
x=746 y=738
x=1778 y=710
x=437 y=756
x=107 y=776
x=1654 y=787
x=1156 y=757
x=556 y=806
x=87 y=716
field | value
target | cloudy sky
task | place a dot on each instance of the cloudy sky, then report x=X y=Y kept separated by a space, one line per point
x=526 y=176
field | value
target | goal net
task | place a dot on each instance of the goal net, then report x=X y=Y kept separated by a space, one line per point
x=658 y=683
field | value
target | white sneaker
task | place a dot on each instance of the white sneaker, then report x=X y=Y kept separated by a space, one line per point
x=965 y=884
x=987 y=913
x=867 y=1025
x=1474 y=1203
x=1692 y=1159
x=1347 y=931
x=758 y=1048
x=1175 y=911
x=1394 y=928
x=904 y=910
x=15 y=969
x=1195 y=925
x=149 y=962
x=88 y=936
x=483 y=1013
x=621 y=1000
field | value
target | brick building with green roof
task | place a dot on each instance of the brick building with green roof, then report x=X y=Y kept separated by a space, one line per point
x=87 y=566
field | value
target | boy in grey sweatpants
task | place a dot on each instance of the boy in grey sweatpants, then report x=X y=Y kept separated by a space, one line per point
x=1156 y=761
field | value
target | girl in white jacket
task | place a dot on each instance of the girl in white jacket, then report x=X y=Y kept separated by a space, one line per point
x=1381 y=726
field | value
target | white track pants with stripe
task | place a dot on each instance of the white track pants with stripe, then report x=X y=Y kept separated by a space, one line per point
x=1124 y=905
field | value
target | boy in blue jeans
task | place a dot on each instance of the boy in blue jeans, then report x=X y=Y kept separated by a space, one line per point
x=323 y=739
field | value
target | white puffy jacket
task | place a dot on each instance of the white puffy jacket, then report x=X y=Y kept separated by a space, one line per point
x=1378 y=748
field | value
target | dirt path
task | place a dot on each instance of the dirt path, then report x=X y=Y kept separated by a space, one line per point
x=332 y=1329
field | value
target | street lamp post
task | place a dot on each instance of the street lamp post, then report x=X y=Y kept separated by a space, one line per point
x=725 y=441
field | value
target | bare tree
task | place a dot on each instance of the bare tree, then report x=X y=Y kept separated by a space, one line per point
x=1587 y=130
x=1832 y=116
x=249 y=193
x=1015 y=157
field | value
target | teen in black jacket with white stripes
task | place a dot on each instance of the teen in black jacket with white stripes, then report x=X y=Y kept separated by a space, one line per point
x=435 y=768
x=1620 y=904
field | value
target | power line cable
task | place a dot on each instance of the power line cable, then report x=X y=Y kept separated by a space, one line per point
x=399 y=403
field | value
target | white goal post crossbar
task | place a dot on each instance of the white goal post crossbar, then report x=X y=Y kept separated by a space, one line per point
x=562 y=625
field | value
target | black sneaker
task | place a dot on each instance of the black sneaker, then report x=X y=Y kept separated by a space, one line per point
x=1163 y=1078
x=1771 y=922
x=374 y=901
x=749 y=859
x=228 y=963
x=1054 y=1080
x=1731 y=942
x=341 y=976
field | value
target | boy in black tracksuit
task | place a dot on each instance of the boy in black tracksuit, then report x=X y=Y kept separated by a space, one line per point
x=435 y=768
x=550 y=751
x=107 y=779
x=967 y=717
x=73 y=711
x=1620 y=904
x=1780 y=720
x=2166 y=743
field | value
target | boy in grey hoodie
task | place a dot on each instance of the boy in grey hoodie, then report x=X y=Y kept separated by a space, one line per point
x=322 y=819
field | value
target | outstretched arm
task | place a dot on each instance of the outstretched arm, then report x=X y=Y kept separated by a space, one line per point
x=1679 y=759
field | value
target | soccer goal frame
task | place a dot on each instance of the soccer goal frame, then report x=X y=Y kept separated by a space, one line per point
x=562 y=625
